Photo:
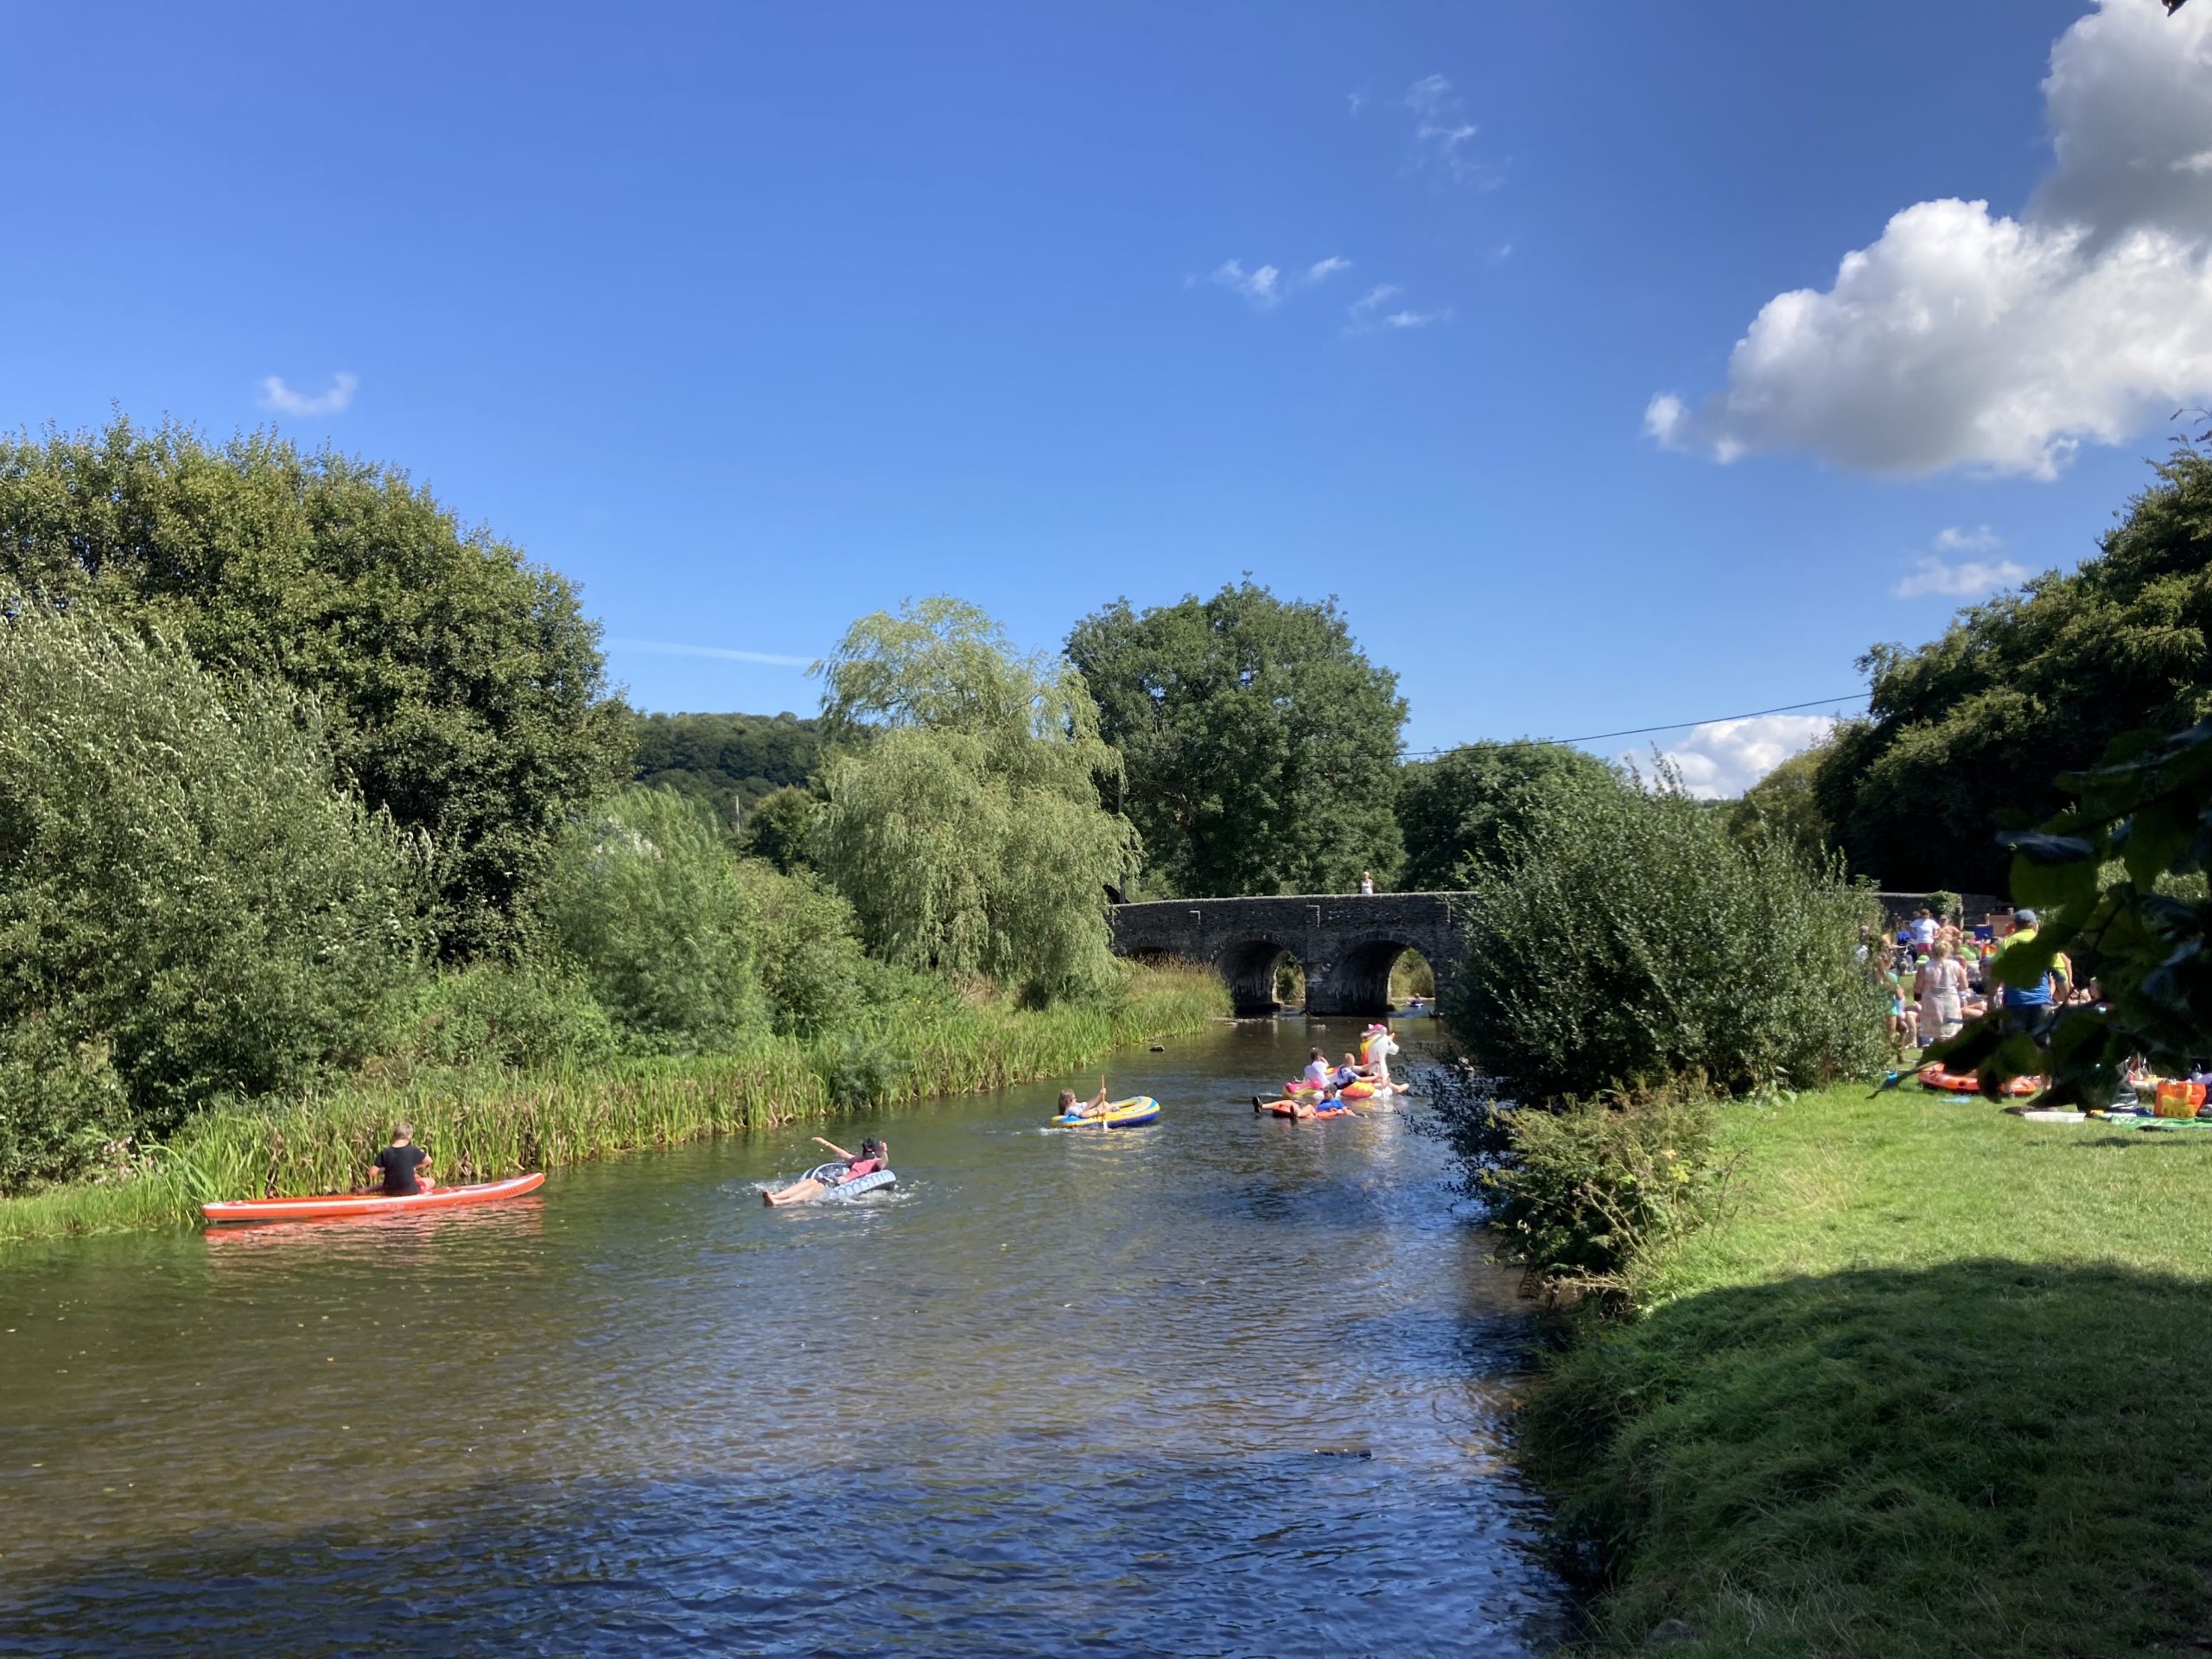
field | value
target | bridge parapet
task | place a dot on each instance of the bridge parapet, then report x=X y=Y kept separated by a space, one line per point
x=1346 y=942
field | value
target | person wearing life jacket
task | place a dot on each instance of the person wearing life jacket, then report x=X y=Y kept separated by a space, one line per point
x=873 y=1155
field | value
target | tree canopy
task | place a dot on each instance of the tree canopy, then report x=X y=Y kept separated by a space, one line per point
x=1260 y=745
x=967 y=830
x=2024 y=688
x=1466 y=811
x=1785 y=803
x=460 y=686
x=725 y=758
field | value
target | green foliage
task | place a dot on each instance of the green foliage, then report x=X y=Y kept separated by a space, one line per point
x=501 y=1013
x=460 y=686
x=1588 y=1189
x=1261 y=746
x=647 y=897
x=63 y=1111
x=725 y=758
x=1786 y=804
x=966 y=832
x=187 y=893
x=780 y=829
x=2025 y=688
x=806 y=943
x=1634 y=946
x=1463 y=814
x=2118 y=879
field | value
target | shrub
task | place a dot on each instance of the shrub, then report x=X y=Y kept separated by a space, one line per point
x=1589 y=1187
x=647 y=898
x=1634 y=946
x=808 y=948
x=500 y=1013
x=62 y=1108
x=187 y=891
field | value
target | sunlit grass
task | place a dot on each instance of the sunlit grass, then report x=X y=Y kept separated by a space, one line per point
x=1935 y=1385
x=481 y=1125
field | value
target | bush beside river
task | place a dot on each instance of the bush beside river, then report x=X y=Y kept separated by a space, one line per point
x=482 y=1124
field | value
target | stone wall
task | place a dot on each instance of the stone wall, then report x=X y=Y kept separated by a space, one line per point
x=1346 y=942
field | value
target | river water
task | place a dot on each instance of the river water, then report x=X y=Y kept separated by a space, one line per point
x=1227 y=1385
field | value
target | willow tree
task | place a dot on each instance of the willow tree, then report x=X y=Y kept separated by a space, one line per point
x=192 y=907
x=963 y=817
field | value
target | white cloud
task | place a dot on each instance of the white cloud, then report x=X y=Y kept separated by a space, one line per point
x=277 y=395
x=1962 y=578
x=724 y=653
x=1442 y=131
x=1968 y=579
x=1262 y=287
x=1321 y=269
x=1961 y=338
x=1368 y=312
x=1723 y=757
x=1980 y=539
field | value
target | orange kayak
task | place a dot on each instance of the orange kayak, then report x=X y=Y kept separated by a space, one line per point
x=372 y=1204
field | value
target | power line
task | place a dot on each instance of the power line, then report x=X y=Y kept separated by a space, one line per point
x=1645 y=731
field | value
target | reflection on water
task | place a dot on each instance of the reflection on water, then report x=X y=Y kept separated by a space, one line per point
x=1227 y=1385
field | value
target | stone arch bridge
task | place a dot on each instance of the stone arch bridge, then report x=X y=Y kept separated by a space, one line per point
x=1346 y=942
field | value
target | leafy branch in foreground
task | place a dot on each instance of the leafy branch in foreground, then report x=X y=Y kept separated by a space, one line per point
x=2118 y=878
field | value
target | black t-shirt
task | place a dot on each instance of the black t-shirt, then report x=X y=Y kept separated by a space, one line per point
x=399 y=1165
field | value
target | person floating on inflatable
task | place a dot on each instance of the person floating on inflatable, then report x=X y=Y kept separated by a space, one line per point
x=1377 y=1045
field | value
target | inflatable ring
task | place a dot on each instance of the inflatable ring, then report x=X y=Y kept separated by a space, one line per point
x=1966 y=1083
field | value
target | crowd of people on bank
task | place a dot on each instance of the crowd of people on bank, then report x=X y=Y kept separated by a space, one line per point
x=1942 y=974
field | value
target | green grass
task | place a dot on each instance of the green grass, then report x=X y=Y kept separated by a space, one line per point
x=1938 y=1382
x=481 y=1125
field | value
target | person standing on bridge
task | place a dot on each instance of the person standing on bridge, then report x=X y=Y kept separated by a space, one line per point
x=1367 y=881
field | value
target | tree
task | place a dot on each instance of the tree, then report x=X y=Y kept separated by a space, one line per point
x=1632 y=946
x=460 y=687
x=963 y=818
x=1260 y=745
x=1785 y=803
x=780 y=829
x=191 y=905
x=2024 y=688
x=1465 y=812
x=725 y=758
x=646 y=896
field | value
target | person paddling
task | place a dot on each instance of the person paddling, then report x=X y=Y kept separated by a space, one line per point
x=402 y=1167
x=870 y=1158
x=1095 y=1107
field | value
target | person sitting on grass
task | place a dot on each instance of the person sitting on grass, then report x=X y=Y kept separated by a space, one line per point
x=873 y=1155
x=401 y=1168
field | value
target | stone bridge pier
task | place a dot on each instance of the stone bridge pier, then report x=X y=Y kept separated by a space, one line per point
x=1346 y=942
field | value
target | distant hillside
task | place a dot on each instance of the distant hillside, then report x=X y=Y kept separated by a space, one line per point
x=717 y=756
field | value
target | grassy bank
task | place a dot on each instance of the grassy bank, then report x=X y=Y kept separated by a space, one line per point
x=1934 y=1384
x=481 y=1125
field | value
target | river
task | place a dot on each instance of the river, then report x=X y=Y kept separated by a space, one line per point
x=1226 y=1385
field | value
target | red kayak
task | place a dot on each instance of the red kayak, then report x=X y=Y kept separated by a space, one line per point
x=372 y=1204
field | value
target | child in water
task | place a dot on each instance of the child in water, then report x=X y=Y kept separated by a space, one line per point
x=1096 y=1106
x=872 y=1156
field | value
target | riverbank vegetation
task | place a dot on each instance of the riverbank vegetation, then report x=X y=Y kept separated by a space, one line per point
x=1927 y=1386
x=487 y=1121
x=313 y=809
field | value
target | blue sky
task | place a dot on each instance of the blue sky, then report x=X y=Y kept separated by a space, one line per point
x=753 y=319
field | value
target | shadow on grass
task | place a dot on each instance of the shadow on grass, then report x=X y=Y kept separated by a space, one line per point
x=1982 y=1458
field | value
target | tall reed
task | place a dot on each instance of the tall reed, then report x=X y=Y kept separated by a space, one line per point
x=489 y=1122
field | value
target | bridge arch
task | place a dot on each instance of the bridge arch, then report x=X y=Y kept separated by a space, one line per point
x=1346 y=942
